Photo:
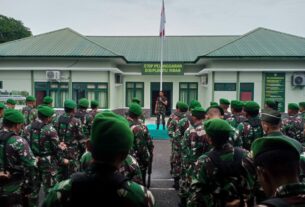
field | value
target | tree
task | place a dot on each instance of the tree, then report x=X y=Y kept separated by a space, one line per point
x=11 y=29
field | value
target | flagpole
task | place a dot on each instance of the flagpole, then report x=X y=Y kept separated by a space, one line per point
x=161 y=64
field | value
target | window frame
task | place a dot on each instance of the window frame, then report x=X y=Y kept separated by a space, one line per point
x=224 y=86
x=188 y=89
x=134 y=89
x=241 y=90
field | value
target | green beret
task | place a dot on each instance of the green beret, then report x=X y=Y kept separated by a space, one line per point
x=2 y=106
x=194 y=104
x=217 y=128
x=224 y=101
x=136 y=100
x=213 y=103
x=262 y=145
x=272 y=104
x=183 y=106
x=110 y=134
x=30 y=99
x=252 y=106
x=293 y=106
x=222 y=112
x=236 y=104
x=46 y=110
x=11 y=101
x=94 y=103
x=83 y=103
x=47 y=100
x=271 y=116
x=198 y=112
x=14 y=116
x=70 y=104
x=302 y=104
x=135 y=109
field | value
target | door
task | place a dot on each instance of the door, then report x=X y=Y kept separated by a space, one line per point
x=168 y=92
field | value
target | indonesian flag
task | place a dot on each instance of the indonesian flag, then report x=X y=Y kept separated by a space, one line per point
x=163 y=21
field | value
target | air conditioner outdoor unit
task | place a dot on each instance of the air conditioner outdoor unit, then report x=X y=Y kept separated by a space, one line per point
x=298 y=80
x=118 y=78
x=204 y=79
x=53 y=75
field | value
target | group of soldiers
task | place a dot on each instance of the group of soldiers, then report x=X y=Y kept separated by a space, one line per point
x=244 y=157
x=56 y=159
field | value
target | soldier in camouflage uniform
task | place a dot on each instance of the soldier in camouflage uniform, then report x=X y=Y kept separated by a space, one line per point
x=175 y=159
x=2 y=106
x=111 y=140
x=160 y=109
x=44 y=142
x=86 y=120
x=237 y=116
x=69 y=130
x=10 y=103
x=29 y=111
x=194 y=144
x=143 y=146
x=276 y=160
x=224 y=104
x=94 y=109
x=17 y=162
x=293 y=125
x=219 y=178
x=250 y=129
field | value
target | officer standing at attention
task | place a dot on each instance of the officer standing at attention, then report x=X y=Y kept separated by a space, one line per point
x=111 y=140
x=277 y=166
x=160 y=108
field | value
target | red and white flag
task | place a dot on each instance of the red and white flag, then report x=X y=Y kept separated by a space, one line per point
x=163 y=21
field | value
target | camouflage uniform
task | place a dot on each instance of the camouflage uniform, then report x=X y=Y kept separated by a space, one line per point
x=30 y=114
x=182 y=125
x=143 y=146
x=127 y=192
x=44 y=142
x=194 y=144
x=249 y=130
x=302 y=115
x=93 y=113
x=209 y=187
x=87 y=121
x=17 y=159
x=161 y=110
x=227 y=115
x=70 y=132
x=293 y=126
x=1 y=123
x=292 y=194
x=236 y=119
x=131 y=169
x=175 y=142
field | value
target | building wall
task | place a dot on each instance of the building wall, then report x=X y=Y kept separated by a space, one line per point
x=16 y=80
x=293 y=94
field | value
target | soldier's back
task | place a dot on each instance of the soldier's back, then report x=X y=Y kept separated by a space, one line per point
x=293 y=126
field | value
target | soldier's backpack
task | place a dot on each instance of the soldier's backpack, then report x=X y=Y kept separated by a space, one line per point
x=4 y=136
x=229 y=175
x=94 y=189
x=35 y=127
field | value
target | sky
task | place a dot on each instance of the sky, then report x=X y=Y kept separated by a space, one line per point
x=142 y=17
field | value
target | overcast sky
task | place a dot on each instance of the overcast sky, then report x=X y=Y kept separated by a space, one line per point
x=142 y=17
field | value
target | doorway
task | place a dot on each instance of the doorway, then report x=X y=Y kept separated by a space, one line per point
x=168 y=92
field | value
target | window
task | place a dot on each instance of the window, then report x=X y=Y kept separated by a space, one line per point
x=134 y=89
x=246 y=91
x=91 y=91
x=188 y=92
x=1 y=84
x=225 y=86
x=58 y=91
